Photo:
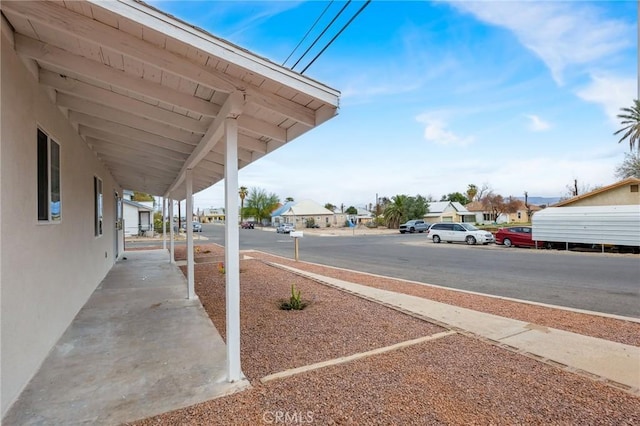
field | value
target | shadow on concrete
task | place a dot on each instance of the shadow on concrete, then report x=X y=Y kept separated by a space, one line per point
x=137 y=348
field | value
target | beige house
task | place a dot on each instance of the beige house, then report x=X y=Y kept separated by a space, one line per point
x=484 y=216
x=624 y=192
x=212 y=215
x=448 y=211
x=299 y=212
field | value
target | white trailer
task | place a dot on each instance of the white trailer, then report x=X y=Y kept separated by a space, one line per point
x=596 y=226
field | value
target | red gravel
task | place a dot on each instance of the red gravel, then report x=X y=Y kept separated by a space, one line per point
x=627 y=332
x=452 y=380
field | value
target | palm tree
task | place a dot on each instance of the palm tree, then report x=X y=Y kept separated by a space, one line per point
x=243 y=193
x=630 y=120
x=394 y=212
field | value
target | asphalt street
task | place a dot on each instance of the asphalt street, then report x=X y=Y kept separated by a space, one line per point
x=607 y=283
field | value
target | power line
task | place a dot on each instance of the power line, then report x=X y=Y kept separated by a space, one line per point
x=336 y=36
x=321 y=34
x=310 y=29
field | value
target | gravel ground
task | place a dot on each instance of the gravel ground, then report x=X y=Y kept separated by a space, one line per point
x=452 y=380
x=627 y=332
x=334 y=324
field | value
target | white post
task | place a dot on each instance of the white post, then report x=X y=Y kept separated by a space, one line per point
x=232 y=249
x=189 y=213
x=171 y=236
x=164 y=223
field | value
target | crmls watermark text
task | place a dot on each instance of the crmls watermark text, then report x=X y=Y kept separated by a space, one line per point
x=287 y=417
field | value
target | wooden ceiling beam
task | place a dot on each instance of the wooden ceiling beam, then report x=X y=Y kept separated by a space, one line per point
x=86 y=91
x=95 y=71
x=77 y=25
x=116 y=116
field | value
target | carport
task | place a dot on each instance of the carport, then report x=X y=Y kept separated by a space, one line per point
x=168 y=108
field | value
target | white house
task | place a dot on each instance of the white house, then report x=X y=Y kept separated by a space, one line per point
x=101 y=96
x=138 y=217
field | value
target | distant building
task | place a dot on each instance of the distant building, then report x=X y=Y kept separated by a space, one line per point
x=484 y=216
x=297 y=213
x=212 y=215
x=448 y=211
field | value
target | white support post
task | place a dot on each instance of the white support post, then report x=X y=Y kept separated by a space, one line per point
x=172 y=252
x=164 y=223
x=191 y=294
x=232 y=249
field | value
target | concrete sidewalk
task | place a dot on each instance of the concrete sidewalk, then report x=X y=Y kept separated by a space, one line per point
x=137 y=348
x=608 y=360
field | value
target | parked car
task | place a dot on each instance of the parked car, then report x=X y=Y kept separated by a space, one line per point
x=285 y=228
x=247 y=225
x=197 y=226
x=459 y=232
x=518 y=236
x=414 y=225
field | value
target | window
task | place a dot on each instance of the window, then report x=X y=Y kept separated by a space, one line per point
x=49 y=200
x=97 y=203
x=634 y=188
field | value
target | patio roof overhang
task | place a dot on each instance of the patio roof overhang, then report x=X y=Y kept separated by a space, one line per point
x=149 y=93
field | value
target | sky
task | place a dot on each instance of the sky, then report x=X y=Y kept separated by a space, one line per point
x=519 y=96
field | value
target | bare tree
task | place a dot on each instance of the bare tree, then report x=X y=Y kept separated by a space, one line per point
x=630 y=167
x=483 y=191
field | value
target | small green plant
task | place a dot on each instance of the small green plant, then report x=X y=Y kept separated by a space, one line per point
x=295 y=302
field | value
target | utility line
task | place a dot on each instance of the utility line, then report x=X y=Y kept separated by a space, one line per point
x=322 y=33
x=336 y=36
x=310 y=29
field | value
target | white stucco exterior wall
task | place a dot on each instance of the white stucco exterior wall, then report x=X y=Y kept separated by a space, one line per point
x=47 y=271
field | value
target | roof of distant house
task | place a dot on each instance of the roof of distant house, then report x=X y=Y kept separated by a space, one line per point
x=301 y=208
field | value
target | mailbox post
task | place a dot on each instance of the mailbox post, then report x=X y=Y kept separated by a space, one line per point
x=295 y=235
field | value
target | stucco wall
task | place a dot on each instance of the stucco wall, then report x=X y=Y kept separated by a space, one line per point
x=48 y=271
x=621 y=196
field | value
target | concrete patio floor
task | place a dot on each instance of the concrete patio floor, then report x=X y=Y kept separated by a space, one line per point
x=137 y=348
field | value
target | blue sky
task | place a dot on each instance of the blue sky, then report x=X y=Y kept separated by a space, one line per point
x=521 y=96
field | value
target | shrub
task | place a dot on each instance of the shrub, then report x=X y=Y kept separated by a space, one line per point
x=295 y=302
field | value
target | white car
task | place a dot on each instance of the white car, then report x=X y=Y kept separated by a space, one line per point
x=459 y=232
x=285 y=228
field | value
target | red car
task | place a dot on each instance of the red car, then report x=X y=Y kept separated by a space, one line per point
x=519 y=236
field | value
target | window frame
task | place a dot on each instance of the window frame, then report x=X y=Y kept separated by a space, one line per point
x=48 y=178
x=98 y=207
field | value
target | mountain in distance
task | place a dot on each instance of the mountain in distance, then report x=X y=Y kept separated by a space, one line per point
x=538 y=201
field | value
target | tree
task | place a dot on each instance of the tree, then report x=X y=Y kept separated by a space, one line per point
x=472 y=191
x=630 y=167
x=415 y=207
x=394 y=212
x=351 y=210
x=243 y=192
x=630 y=121
x=330 y=206
x=260 y=204
x=497 y=205
x=142 y=196
x=455 y=197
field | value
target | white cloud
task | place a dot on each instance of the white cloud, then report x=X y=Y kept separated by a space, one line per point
x=536 y=124
x=560 y=34
x=436 y=131
x=612 y=93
